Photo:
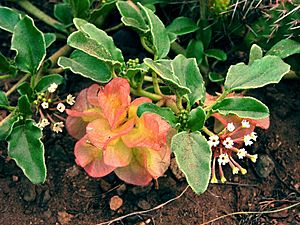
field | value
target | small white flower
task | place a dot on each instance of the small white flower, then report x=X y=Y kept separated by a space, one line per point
x=61 y=107
x=213 y=141
x=241 y=153
x=223 y=159
x=245 y=124
x=253 y=158
x=45 y=105
x=52 y=88
x=253 y=135
x=57 y=127
x=235 y=170
x=70 y=99
x=43 y=123
x=228 y=142
x=230 y=127
x=248 y=140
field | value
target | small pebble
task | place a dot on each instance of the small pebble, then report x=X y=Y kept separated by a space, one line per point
x=115 y=203
x=15 y=178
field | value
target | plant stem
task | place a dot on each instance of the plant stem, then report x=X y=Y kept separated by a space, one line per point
x=6 y=76
x=116 y=27
x=147 y=94
x=207 y=131
x=172 y=105
x=179 y=102
x=177 y=48
x=39 y=14
x=220 y=98
x=13 y=88
x=60 y=52
x=155 y=84
x=145 y=46
x=56 y=70
x=202 y=6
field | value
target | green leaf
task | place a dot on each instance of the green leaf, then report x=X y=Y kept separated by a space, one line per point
x=26 y=148
x=5 y=66
x=46 y=81
x=246 y=107
x=217 y=54
x=255 y=53
x=189 y=76
x=204 y=33
x=164 y=70
x=196 y=119
x=3 y=100
x=215 y=77
x=166 y=113
x=159 y=34
x=285 y=48
x=63 y=13
x=80 y=8
x=29 y=44
x=267 y=70
x=101 y=13
x=87 y=66
x=182 y=25
x=97 y=43
x=25 y=89
x=8 y=18
x=131 y=16
x=195 y=49
x=6 y=126
x=193 y=156
x=24 y=105
x=49 y=39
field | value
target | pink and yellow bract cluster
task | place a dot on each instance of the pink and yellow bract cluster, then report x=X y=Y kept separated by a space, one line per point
x=113 y=138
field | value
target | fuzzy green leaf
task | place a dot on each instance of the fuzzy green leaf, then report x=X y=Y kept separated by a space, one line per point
x=193 y=156
x=131 y=16
x=267 y=70
x=204 y=33
x=97 y=43
x=101 y=13
x=25 y=89
x=8 y=18
x=217 y=54
x=63 y=13
x=195 y=49
x=49 y=39
x=285 y=48
x=29 y=44
x=164 y=70
x=182 y=25
x=189 y=76
x=26 y=148
x=24 y=105
x=255 y=53
x=215 y=77
x=166 y=113
x=87 y=66
x=46 y=81
x=6 y=126
x=196 y=119
x=160 y=39
x=246 y=107
x=79 y=8
x=3 y=100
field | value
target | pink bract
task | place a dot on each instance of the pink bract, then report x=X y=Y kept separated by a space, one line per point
x=113 y=138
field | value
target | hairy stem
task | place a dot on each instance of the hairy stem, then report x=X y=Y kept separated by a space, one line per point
x=13 y=88
x=147 y=94
x=39 y=14
x=145 y=46
x=60 y=52
x=155 y=84
x=177 y=48
x=207 y=131
x=116 y=27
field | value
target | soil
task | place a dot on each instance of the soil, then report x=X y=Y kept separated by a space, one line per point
x=70 y=197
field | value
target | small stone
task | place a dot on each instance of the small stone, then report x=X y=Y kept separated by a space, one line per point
x=143 y=204
x=115 y=203
x=64 y=217
x=15 y=178
x=104 y=185
x=72 y=171
x=264 y=166
x=29 y=192
x=121 y=190
x=175 y=170
x=139 y=190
